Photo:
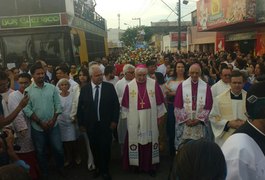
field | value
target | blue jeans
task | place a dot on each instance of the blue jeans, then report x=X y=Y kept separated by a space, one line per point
x=41 y=141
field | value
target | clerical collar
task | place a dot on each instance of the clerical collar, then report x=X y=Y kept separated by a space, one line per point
x=235 y=96
x=256 y=128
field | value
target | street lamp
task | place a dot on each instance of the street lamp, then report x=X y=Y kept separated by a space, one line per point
x=185 y=2
x=139 y=19
x=127 y=25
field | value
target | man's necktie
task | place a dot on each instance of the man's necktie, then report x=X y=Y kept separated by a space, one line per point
x=96 y=99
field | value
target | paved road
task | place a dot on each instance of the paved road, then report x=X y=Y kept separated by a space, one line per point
x=81 y=172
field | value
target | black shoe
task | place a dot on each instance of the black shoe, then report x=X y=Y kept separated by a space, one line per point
x=106 y=177
x=152 y=173
x=96 y=173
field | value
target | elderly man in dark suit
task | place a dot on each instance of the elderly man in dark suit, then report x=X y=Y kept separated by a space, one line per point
x=98 y=113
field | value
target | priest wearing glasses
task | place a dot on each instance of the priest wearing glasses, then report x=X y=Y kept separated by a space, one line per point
x=143 y=106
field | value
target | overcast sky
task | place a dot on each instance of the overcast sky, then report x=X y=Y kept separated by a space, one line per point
x=148 y=10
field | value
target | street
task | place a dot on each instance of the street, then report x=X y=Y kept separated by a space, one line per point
x=81 y=172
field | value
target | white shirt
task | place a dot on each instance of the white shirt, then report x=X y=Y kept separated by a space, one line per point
x=120 y=87
x=244 y=158
x=162 y=69
x=112 y=81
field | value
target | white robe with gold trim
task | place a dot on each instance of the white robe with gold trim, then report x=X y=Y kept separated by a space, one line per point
x=225 y=109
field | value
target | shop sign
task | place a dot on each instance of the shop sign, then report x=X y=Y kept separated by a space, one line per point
x=45 y=20
x=32 y=21
x=14 y=22
x=241 y=36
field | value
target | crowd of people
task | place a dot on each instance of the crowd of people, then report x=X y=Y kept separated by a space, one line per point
x=206 y=109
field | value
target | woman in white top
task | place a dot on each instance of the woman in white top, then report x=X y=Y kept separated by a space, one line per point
x=67 y=126
x=171 y=88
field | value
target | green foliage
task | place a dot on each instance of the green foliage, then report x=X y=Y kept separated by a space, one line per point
x=129 y=37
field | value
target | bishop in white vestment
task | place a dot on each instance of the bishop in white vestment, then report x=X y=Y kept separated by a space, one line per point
x=143 y=106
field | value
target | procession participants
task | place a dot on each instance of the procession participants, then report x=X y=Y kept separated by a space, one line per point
x=43 y=109
x=193 y=103
x=128 y=71
x=63 y=72
x=109 y=75
x=171 y=88
x=22 y=129
x=244 y=151
x=163 y=67
x=229 y=109
x=83 y=79
x=143 y=106
x=223 y=84
x=151 y=68
x=98 y=112
x=67 y=126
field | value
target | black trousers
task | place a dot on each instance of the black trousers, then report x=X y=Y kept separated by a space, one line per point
x=100 y=139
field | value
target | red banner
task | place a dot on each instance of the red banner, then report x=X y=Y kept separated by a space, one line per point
x=260 y=46
x=175 y=37
x=220 y=42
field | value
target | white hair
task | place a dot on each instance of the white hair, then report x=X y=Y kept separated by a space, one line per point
x=126 y=68
x=92 y=68
x=64 y=80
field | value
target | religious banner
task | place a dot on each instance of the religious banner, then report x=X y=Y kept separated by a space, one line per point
x=220 y=42
x=219 y=13
x=260 y=46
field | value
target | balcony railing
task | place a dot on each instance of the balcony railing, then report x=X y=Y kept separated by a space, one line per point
x=87 y=13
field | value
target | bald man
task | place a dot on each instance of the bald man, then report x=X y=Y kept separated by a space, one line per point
x=193 y=103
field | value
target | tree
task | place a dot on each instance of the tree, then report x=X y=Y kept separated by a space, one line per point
x=129 y=37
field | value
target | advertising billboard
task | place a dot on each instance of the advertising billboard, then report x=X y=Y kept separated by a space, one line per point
x=220 y=13
x=174 y=38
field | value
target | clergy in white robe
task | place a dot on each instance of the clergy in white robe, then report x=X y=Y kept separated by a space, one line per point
x=193 y=103
x=244 y=151
x=128 y=71
x=229 y=109
x=223 y=84
x=143 y=106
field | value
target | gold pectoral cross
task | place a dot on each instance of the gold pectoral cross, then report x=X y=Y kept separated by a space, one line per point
x=142 y=104
x=133 y=93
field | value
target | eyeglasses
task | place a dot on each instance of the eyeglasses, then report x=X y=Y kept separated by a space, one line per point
x=132 y=72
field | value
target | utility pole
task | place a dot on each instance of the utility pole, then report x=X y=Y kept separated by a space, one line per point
x=179 y=25
x=139 y=19
x=119 y=21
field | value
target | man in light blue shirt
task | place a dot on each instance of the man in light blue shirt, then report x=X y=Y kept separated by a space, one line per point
x=43 y=109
